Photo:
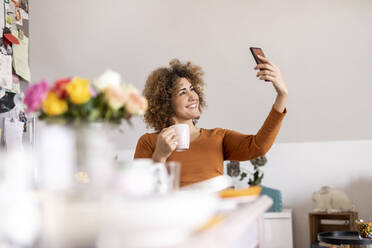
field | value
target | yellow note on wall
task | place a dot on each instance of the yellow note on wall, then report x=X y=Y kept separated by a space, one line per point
x=20 y=57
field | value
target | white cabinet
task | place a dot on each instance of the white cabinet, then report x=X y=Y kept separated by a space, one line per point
x=278 y=229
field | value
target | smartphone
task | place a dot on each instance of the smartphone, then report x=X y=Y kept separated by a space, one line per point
x=257 y=51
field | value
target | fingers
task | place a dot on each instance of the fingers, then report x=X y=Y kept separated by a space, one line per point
x=266 y=73
x=169 y=137
x=166 y=131
x=265 y=60
x=267 y=78
x=172 y=141
x=265 y=67
x=168 y=134
x=166 y=142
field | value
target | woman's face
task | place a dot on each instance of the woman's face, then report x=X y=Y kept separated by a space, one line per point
x=185 y=101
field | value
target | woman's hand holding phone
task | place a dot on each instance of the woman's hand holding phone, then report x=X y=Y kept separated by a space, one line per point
x=270 y=72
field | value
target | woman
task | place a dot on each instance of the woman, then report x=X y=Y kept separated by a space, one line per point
x=175 y=95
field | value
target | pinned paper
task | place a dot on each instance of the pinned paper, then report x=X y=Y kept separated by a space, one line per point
x=9 y=14
x=20 y=33
x=24 y=14
x=18 y=16
x=24 y=6
x=20 y=57
x=13 y=133
x=16 y=87
x=6 y=71
x=2 y=17
x=2 y=92
x=2 y=47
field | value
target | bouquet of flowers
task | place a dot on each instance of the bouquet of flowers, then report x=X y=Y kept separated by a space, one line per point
x=78 y=100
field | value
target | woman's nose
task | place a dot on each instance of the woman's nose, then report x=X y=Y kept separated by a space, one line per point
x=192 y=96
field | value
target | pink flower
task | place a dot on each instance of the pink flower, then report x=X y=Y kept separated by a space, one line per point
x=93 y=92
x=136 y=104
x=35 y=95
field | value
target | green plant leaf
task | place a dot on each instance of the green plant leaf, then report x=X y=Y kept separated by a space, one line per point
x=242 y=176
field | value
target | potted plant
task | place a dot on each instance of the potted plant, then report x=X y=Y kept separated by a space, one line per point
x=255 y=178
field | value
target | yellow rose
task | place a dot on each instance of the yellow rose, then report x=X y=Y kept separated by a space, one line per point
x=53 y=105
x=78 y=90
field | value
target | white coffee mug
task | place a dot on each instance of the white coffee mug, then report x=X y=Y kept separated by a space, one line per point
x=183 y=133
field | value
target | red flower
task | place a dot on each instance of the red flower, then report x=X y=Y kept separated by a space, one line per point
x=60 y=87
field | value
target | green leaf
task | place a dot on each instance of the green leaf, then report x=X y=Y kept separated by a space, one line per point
x=250 y=182
x=94 y=115
x=242 y=176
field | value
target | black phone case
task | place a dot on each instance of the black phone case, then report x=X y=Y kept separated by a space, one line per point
x=255 y=56
x=258 y=61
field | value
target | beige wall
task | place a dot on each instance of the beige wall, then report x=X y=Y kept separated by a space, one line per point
x=322 y=47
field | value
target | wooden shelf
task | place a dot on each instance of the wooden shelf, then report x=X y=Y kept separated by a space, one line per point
x=340 y=221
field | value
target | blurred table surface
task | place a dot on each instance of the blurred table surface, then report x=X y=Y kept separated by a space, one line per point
x=242 y=227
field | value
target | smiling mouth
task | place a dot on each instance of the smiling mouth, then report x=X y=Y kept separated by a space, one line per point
x=192 y=106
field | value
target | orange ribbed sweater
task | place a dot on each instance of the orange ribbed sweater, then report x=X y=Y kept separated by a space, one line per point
x=205 y=156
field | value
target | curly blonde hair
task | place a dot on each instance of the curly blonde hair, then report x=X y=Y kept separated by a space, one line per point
x=160 y=86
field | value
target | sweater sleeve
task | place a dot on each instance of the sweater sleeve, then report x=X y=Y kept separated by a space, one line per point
x=144 y=148
x=241 y=147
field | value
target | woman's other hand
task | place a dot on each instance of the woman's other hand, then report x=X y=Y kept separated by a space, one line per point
x=271 y=73
x=166 y=143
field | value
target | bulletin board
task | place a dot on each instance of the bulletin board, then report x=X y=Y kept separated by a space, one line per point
x=14 y=66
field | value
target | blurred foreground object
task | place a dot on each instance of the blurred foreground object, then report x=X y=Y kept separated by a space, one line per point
x=19 y=211
x=211 y=185
x=251 y=191
x=155 y=221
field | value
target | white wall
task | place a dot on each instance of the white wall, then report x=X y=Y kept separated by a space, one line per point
x=322 y=47
x=298 y=169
